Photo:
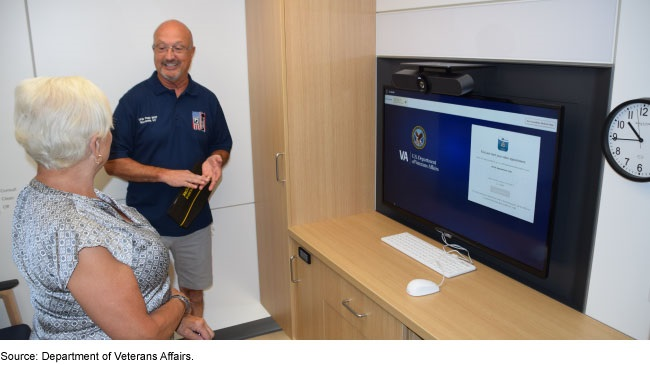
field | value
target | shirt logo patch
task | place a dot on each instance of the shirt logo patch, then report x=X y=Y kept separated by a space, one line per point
x=198 y=121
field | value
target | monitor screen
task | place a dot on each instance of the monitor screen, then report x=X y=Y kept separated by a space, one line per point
x=481 y=171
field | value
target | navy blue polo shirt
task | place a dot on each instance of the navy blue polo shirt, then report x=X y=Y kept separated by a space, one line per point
x=154 y=127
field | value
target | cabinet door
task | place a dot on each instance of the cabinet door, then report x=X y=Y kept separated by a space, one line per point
x=265 y=33
x=308 y=298
x=350 y=315
x=311 y=81
x=330 y=62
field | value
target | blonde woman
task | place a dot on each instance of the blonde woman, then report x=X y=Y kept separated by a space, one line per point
x=96 y=268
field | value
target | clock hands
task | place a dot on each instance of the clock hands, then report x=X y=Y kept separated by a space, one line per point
x=637 y=139
x=616 y=138
x=635 y=132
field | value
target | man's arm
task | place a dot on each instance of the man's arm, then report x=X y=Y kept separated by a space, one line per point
x=225 y=156
x=131 y=170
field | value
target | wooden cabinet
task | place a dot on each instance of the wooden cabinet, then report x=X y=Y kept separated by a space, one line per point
x=306 y=281
x=354 y=288
x=312 y=96
x=327 y=307
x=265 y=36
x=349 y=314
x=312 y=72
x=480 y=305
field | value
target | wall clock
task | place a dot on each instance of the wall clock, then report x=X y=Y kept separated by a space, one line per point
x=626 y=139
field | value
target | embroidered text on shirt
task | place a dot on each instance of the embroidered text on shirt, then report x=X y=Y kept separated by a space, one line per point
x=150 y=119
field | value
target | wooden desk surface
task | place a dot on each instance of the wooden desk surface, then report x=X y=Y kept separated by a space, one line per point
x=483 y=304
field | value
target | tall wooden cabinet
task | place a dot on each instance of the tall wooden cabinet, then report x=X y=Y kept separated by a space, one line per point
x=312 y=73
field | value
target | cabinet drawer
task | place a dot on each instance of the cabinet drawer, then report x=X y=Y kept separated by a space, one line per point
x=363 y=318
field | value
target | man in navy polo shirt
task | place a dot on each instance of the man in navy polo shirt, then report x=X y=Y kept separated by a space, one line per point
x=163 y=127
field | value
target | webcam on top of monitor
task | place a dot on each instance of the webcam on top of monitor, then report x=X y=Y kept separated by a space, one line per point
x=435 y=77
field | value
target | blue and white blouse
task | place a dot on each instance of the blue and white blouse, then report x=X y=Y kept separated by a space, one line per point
x=50 y=227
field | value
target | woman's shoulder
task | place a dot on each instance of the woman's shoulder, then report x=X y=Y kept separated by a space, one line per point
x=41 y=204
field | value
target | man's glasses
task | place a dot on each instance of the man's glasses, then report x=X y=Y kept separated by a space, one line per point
x=176 y=48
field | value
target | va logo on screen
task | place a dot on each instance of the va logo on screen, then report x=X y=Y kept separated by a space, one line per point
x=503 y=144
x=419 y=137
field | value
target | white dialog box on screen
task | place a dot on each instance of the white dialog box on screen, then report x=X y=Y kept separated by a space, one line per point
x=503 y=171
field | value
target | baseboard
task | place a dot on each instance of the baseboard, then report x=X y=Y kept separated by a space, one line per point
x=247 y=330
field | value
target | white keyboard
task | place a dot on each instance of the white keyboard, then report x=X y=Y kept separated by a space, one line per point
x=447 y=264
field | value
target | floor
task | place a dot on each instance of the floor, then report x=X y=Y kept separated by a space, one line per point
x=279 y=335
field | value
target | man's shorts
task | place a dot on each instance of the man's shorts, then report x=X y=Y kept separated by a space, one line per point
x=192 y=256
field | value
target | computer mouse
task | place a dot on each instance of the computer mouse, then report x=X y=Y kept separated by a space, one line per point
x=420 y=287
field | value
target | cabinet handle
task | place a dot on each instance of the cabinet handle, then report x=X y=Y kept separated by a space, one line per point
x=346 y=304
x=293 y=280
x=277 y=167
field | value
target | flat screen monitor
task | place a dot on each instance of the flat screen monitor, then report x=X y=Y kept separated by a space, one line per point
x=480 y=171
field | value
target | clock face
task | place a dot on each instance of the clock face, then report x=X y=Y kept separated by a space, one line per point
x=626 y=139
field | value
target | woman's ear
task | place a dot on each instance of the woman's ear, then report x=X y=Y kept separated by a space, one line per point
x=94 y=145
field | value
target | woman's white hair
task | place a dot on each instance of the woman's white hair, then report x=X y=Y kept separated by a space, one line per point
x=55 y=118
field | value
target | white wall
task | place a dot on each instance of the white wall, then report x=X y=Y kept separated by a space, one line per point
x=564 y=31
x=619 y=291
x=109 y=42
x=545 y=31
x=16 y=169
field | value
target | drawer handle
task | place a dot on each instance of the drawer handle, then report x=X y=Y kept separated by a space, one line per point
x=346 y=304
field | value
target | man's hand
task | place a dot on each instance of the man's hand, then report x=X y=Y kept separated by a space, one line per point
x=212 y=170
x=185 y=178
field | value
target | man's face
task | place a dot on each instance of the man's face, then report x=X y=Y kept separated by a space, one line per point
x=173 y=52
